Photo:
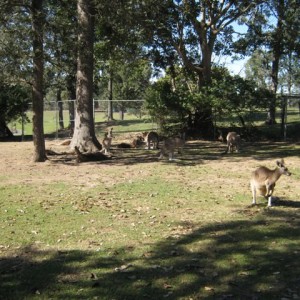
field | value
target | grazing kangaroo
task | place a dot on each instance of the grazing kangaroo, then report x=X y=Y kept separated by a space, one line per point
x=169 y=146
x=263 y=180
x=233 y=142
x=106 y=142
x=151 y=137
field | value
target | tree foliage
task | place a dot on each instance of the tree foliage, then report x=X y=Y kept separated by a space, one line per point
x=14 y=101
x=273 y=28
x=227 y=95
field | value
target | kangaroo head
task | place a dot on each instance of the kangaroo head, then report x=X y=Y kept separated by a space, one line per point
x=282 y=168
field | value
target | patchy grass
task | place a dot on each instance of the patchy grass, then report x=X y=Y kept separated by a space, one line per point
x=139 y=228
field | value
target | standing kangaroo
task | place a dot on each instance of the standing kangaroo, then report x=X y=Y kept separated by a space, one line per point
x=170 y=145
x=233 y=141
x=106 y=142
x=263 y=180
x=151 y=137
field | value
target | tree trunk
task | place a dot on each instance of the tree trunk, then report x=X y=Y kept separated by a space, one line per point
x=277 y=52
x=283 y=116
x=201 y=122
x=84 y=133
x=60 y=110
x=39 y=154
x=4 y=130
x=110 y=114
x=71 y=87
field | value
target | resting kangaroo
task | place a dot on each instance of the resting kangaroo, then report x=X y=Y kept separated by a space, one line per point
x=263 y=180
x=169 y=146
x=233 y=141
x=151 y=137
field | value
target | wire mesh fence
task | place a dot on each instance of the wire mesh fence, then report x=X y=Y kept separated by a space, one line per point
x=59 y=117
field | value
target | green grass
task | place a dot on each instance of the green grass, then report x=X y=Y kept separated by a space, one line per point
x=157 y=231
x=138 y=228
x=132 y=123
x=51 y=126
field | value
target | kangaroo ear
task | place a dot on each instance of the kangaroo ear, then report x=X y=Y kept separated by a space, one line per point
x=280 y=163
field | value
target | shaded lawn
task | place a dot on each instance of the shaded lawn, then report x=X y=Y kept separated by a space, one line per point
x=149 y=229
x=243 y=259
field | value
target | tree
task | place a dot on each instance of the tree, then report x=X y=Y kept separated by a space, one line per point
x=195 y=30
x=14 y=100
x=228 y=96
x=84 y=133
x=61 y=54
x=258 y=68
x=24 y=60
x=39 y=154
x=274 y=28
x=118 y=43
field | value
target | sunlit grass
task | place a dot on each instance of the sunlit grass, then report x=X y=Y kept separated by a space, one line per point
x=139 y=228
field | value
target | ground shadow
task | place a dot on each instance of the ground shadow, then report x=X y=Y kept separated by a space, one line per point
x=254 y=259
x=195 y=152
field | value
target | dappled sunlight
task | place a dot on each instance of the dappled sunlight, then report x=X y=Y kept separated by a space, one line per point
x=137 y=227
x=235 y=259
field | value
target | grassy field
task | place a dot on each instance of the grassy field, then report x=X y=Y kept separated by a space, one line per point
x=132 y=123
x=51 y=125
x=136 y=227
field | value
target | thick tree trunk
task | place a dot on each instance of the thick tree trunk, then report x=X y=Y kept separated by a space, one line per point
x=202 y=121
x=39 y=154
x=84 y=132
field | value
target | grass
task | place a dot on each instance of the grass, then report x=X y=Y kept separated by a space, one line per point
x=132 y=123
x=51 y=125
x=139 y=228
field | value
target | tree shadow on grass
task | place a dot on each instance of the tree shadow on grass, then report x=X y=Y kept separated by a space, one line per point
x=256 y=258
x=194 y=153
x=266 y=150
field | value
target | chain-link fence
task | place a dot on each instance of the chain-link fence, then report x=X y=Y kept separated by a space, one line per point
x=59 y=116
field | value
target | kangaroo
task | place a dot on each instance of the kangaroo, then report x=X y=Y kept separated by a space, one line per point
x=263 y=180
x=137 y=142
x=151 y=137
x=106 y=142
x=220 y=138
x=169 y=146
x=233 y=141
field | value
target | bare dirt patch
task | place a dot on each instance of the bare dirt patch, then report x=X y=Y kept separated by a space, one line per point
x=211 y=167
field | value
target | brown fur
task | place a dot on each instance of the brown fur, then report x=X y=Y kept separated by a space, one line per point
x=106 y=142
x=233 y=142
x=151 y=138
x=263 y=180
x=170 y=145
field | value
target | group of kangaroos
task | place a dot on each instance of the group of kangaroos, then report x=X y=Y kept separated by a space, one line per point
x=262 y=180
